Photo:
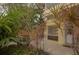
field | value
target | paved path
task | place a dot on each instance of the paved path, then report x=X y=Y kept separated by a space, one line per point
x=56 y=49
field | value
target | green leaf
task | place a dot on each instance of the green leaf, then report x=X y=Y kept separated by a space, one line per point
x=8 y=28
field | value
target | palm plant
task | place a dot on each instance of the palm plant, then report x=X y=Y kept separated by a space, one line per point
x=14 y=18
x=9 y=25
x=66 y=12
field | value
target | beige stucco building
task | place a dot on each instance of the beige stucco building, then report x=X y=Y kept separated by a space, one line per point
x=53 y=33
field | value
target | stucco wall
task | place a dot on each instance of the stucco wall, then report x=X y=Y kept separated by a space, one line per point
x=61 y=38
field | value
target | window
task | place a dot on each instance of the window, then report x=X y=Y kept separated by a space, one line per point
x=53 y=33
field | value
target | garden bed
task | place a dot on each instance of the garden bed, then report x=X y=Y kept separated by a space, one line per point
x=21 y=50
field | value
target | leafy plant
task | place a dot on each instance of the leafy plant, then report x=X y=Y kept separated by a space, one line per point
x=14 y=18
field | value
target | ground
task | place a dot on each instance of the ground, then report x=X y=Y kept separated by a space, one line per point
x=56 y=49
x=53 y=48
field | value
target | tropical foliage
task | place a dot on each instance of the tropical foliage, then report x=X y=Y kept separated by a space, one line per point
x=63 y=12
x=16 y=17
x=67 y=12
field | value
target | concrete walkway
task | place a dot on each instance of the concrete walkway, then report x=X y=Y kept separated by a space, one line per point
x=56 y=49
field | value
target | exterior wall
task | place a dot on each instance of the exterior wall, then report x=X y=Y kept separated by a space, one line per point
x=61 y=36
x=76 y=34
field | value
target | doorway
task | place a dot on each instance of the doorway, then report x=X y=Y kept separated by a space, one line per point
x=69 y=34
